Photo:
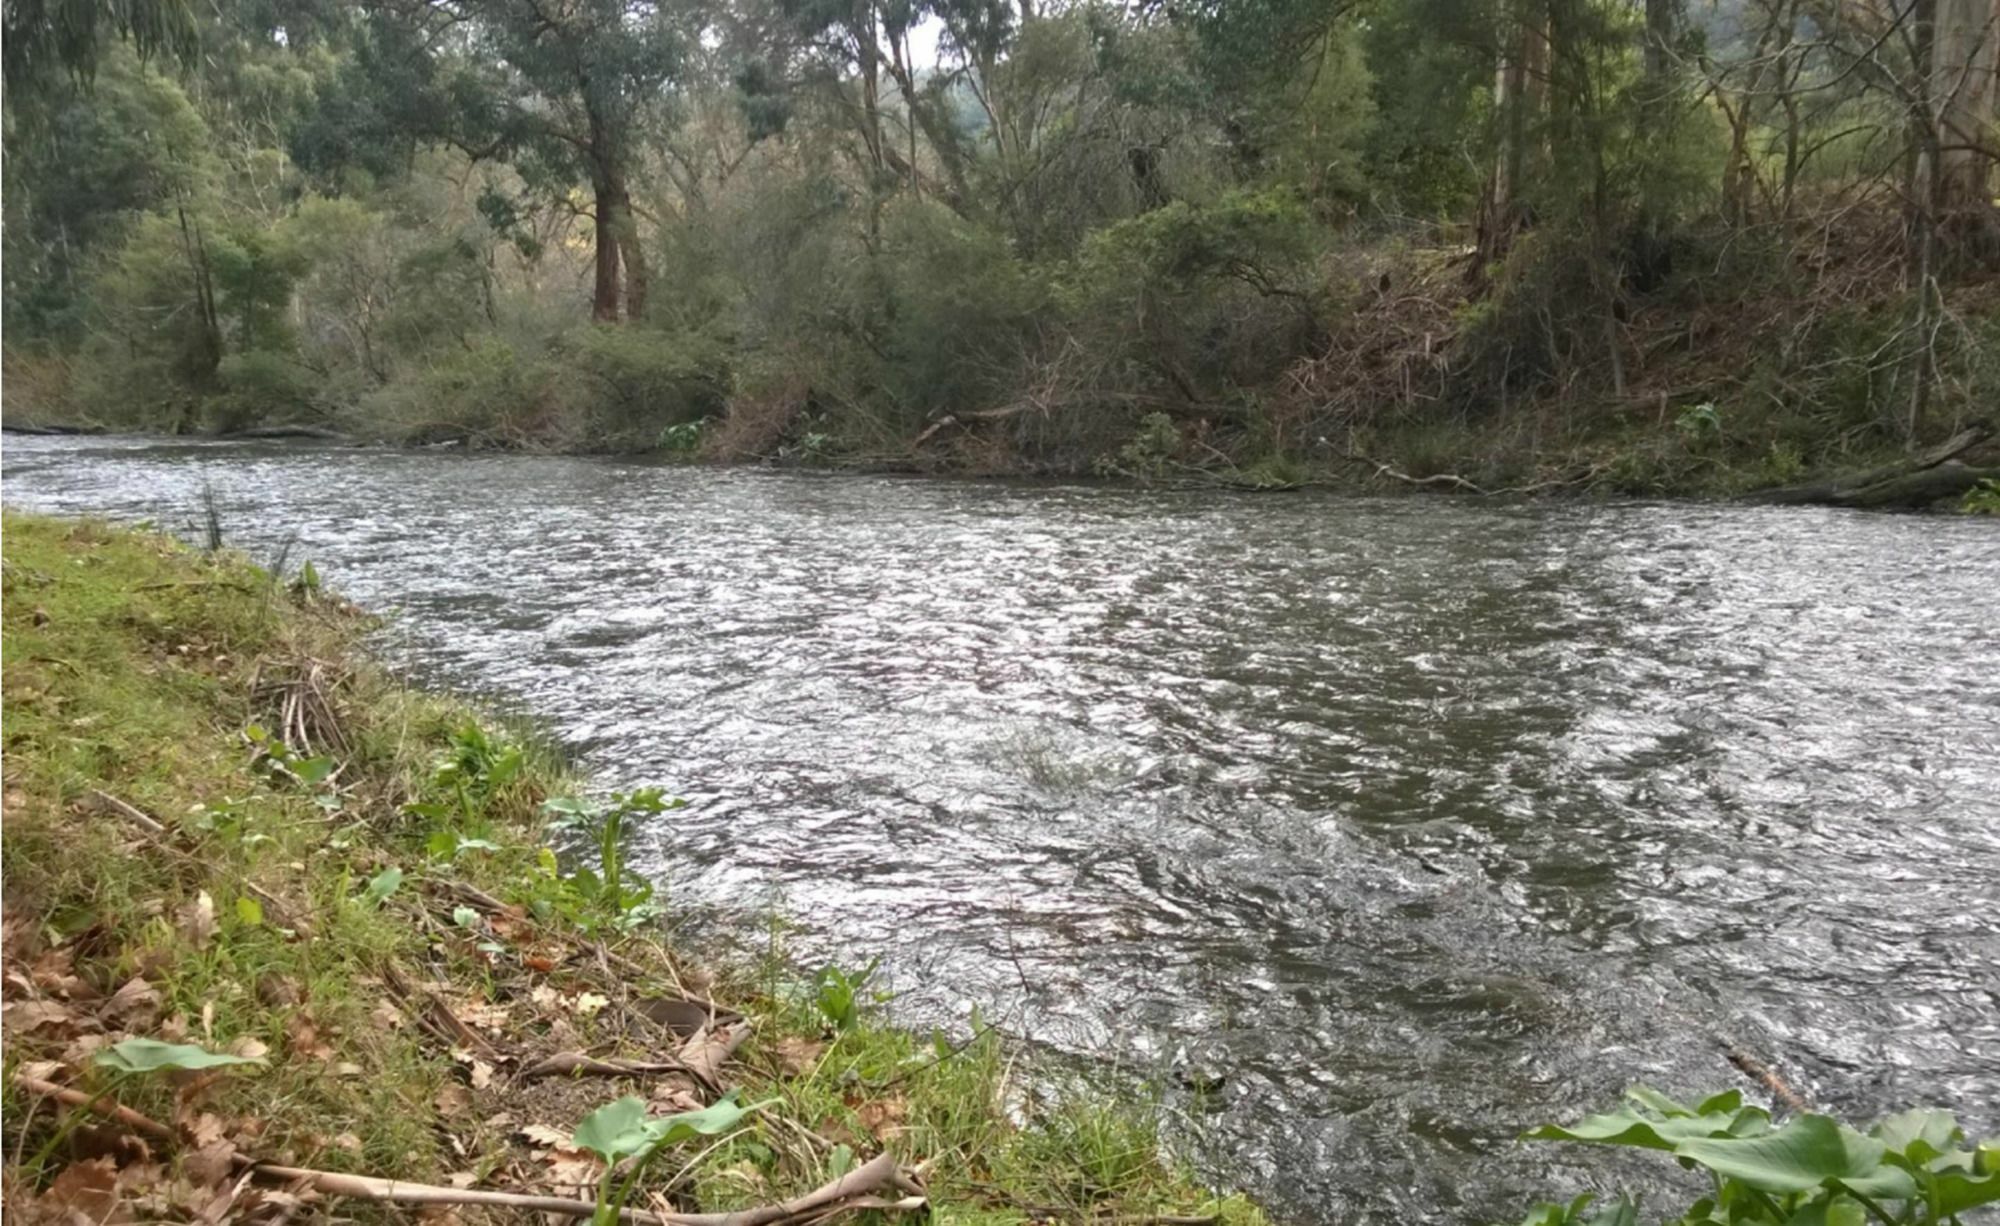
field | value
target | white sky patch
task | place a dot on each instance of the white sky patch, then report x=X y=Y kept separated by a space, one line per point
x=924 y=38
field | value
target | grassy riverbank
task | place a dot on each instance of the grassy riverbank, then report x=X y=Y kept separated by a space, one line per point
x=226 y=829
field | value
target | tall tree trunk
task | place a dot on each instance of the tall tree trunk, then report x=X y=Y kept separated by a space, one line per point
x=637 y=276
x=1963 y=63
x=639 y=279
x=1520 y=84
x=1661 y=18
x=604 y=292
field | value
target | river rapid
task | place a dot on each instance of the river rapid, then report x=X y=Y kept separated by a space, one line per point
x=1415 y=822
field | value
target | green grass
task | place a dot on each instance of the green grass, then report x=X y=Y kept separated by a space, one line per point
x=137 y=667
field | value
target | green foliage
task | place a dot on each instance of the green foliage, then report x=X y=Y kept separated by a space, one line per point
x=622 y=1130
x=1153 y=449
x=683 y=438
x=134 y=1056
x=260 y=386
x=837 y=994
x=649 y=379
x=1082 y=214
x=1908 y=1170
x=1982 y=499
x=608 y=895
x=1699 y=422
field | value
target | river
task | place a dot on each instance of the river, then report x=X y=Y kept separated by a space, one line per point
x=1415 y=821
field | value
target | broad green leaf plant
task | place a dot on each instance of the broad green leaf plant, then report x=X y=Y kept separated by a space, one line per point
x=628 y=1139
x=1913 y=1169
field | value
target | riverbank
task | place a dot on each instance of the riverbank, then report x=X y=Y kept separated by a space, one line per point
x=1782 y=363
x=229 y=832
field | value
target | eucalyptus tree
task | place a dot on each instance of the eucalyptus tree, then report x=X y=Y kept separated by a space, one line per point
x=44 y=38
x=562 y=89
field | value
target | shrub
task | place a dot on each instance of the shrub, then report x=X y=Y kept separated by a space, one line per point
x=260 y=386
x=628 y=384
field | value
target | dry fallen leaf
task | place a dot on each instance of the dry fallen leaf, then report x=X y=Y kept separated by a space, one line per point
x=347 y=1068
x=88 y=1190
x=302 y=1038
x=883 y=1116
x=545 y=1136
x=249 y=1048
x=210 y=1164
x=477 y=1013
x=453 y=1099
x=31 y=1015
x=588 y=1004
x=462 y=1179
x=197 y=920
x=205 y=1130
x=544 y=996
x=798 y=1056
x=135 y=998
x=573 y=1168
x=387 y=1016
x=670 y=1099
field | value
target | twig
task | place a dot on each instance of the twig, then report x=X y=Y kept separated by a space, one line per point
x=130 y=812
x=395 y=1191
x=103 y=1105
x=842 y=1194
x=575 y=1062
x=274 y=907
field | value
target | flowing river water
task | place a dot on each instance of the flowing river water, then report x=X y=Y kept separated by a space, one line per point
x=1415 y=822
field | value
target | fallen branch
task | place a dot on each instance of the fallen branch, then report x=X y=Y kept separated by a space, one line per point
x=435 y=1016
x=1916 y=481
x=576 y=1063
x=842 y=1195
x=130 y=812
x=395 y=1191
x=274 y=907
x=1451 y=479
x=867 y=1177
x=103 y=1105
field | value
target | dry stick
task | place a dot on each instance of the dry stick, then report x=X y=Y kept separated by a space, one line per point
x=103 y=1105
x=278 y=912
x=865 y=1178
x=131 y=813
x=395 y=1191
x=576 y=1062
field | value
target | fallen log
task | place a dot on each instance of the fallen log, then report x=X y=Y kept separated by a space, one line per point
x=1904 y=483
x=312 y=433
x=1917 y=490
x=33 y=428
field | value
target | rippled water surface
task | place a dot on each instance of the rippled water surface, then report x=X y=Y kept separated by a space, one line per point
x=1419 y=821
